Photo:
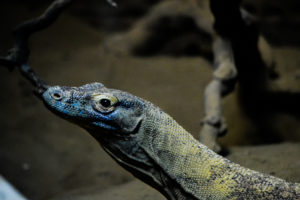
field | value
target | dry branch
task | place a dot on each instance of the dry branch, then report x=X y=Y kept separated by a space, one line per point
x=224 y=77
x=234 y=29
x=18 y=56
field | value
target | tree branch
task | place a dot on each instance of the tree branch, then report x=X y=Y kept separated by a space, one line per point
x=233 y=60
x=224 y=78
x=18 y=56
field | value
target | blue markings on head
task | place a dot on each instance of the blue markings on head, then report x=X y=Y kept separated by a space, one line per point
x=105 y=126
x=76 y=104
x=80 y=109
x=106 y=117
x=82 y=112
x=80 y=105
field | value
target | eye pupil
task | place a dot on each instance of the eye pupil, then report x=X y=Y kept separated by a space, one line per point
x=105 y=103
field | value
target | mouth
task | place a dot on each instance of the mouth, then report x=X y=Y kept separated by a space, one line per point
x=57 y=103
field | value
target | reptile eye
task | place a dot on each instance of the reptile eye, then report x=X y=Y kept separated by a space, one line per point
x=105 y=103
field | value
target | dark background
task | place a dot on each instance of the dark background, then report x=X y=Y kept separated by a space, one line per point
x=155 y=50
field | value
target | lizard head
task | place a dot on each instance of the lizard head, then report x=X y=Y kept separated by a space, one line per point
x=120 y=122
x=95 y=107
x=114 y=118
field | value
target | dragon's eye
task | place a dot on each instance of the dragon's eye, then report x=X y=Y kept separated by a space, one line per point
x=104 y=102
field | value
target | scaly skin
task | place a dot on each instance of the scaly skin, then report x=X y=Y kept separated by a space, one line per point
x=153 y=147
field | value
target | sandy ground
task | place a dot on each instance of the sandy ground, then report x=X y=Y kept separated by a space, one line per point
x=46 y=157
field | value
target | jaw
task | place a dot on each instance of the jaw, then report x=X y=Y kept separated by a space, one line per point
x=132 y=157
x=64 y=114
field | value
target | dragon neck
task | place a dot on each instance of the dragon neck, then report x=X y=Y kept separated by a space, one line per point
x=198 y=171
x=184 y=160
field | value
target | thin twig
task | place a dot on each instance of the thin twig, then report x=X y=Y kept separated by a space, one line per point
x=19 y=55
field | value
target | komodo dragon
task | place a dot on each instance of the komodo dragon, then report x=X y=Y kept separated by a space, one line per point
x=154 y=148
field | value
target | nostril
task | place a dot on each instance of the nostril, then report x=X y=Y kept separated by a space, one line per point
x=57 y=95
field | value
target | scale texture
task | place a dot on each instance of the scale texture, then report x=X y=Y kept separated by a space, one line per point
x=156 y=149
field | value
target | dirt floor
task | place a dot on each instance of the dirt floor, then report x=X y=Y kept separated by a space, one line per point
x=46 y=157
